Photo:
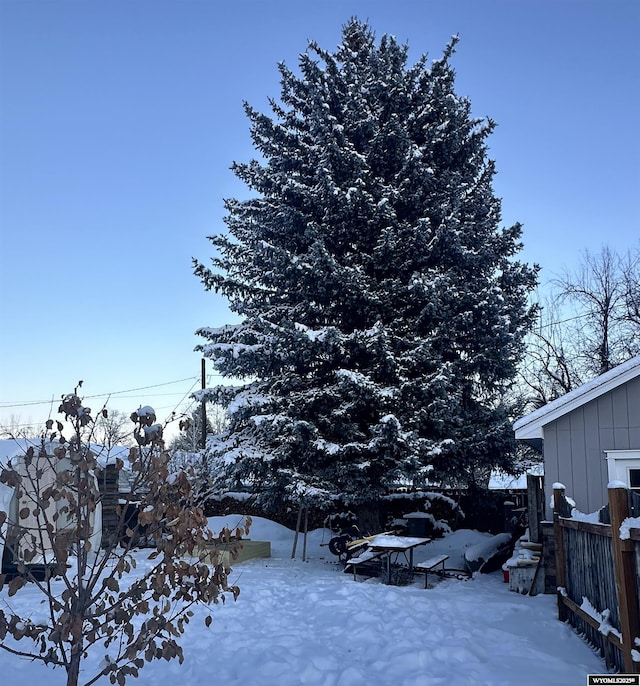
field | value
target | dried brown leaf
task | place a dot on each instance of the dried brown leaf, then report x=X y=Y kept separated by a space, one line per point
x=16 y=584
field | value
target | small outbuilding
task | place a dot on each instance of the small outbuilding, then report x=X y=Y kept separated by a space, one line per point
x=589 y=437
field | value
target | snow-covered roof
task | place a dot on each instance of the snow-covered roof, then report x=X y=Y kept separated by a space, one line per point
x=530 y=426
x=500 y=481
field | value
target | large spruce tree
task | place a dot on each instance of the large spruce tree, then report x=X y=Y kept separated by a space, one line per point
x=382 y=310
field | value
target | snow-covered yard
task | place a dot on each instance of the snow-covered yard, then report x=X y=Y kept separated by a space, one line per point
x=309 y=623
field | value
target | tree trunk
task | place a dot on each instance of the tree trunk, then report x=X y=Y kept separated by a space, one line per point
x=78 y=604
x=73 y=670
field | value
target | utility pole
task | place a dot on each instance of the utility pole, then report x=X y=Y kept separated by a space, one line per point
x=204 y=406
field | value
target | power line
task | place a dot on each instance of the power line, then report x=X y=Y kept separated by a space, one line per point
x=185 y=395
x=143 y=388
x=564 y=321
x=577 y=316
x=26 y=403
x=40 y=424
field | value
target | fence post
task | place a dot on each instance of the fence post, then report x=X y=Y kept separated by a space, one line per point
x=295 y=538
x=535 y=506
x=306 y=531
x=558 y=507
x=624 y=561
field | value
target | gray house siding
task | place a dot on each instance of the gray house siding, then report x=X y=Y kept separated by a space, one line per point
x=574 y=444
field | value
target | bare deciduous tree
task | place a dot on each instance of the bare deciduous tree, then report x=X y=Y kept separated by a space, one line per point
x=631 y=280
x=188 y=455
x=190 y=437
x=548 y=370
x=16 y=427
x=595 y=293
x=590 y=324
x=113 y=430
x=91 y=601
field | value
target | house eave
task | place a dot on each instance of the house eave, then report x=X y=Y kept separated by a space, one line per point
x=531 y=426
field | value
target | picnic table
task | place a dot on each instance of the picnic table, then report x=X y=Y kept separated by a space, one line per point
x=391 y=546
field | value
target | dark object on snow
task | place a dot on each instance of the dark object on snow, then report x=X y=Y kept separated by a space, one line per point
x=348 y=544
x=490 y=555
x=417 y=524
x=338 y=545
x=345 y=525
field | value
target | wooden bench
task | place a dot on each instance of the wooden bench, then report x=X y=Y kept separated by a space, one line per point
x=430 y=566
x=362 y=559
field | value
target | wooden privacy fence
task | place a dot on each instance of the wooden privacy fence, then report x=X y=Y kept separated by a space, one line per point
x=598 y=578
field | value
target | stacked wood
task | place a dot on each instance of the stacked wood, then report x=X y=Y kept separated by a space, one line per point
x=109 y=492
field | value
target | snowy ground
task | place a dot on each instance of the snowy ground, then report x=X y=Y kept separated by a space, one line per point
x=309 y=623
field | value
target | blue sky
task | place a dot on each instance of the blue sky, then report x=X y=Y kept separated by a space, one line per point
x=119 y=121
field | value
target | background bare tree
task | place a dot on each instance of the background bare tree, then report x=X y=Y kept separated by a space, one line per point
x=548 y=371
x=92 y=600
x=113 y=429
x=188 y=455
x=16 y=427
x=631 y=280
x=589 y=324
x=596 y=295
x=110 y=430
x=190 y=437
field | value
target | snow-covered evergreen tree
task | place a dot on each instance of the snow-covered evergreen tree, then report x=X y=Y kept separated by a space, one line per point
x=382 y=310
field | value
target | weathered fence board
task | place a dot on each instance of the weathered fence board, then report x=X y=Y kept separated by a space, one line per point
x=598 y=576
x=590 y=571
